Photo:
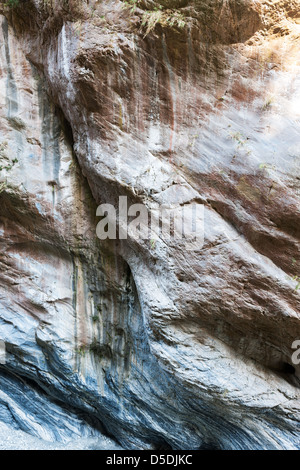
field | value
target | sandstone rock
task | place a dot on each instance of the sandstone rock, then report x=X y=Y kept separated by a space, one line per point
x=150 y=343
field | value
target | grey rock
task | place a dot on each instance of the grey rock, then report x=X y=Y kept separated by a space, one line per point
x=150 y=345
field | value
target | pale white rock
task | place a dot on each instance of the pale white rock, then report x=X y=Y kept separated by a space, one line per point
x=144 y=340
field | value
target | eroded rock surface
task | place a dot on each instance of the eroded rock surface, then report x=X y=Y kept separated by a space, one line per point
x=170 y=103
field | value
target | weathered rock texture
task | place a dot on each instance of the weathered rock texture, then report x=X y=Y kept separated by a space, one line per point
x=164 y=102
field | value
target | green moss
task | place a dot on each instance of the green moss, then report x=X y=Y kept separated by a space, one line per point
x=81 y=351
x=152 y=243
x=296 y=279
x=12 y=3
x=10 y=165
x=131 y=5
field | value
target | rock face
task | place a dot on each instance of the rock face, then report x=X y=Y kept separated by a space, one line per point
x=144 y=341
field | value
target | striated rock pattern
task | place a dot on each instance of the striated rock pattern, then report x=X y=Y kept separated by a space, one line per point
x=139 y=343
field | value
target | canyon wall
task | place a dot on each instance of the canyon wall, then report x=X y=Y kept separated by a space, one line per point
x=145 y=344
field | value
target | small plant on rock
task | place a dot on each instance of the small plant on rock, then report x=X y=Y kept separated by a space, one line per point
x=164 y=18
x=131 y=5
x=12 y=3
